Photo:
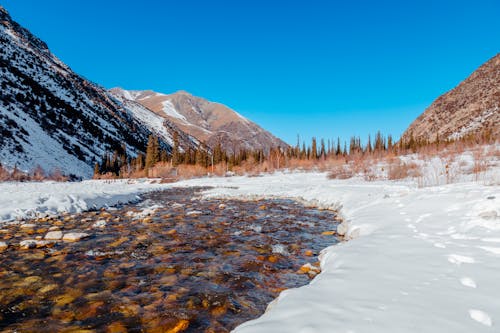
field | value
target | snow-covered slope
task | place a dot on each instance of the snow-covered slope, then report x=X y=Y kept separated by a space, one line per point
x=160 y=126
x=207 y=121
x=52 y=117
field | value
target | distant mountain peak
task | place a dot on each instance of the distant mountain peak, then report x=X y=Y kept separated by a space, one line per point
x=209 y=122
x=182 y=92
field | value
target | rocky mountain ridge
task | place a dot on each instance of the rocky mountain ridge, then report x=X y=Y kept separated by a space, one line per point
x=209 y=122
x=473 y=107
x=54 y=118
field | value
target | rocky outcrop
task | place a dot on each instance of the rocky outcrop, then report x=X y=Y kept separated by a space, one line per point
x=472 y=107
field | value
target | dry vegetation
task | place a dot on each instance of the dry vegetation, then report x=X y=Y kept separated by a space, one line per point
x=37 y=174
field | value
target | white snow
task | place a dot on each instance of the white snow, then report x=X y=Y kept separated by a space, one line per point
x=151 y=120
x=416 y=259
x=25 y=200
x=170 y=110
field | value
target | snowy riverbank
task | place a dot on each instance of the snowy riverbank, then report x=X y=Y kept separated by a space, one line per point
x=32 y=199
x=421 y=260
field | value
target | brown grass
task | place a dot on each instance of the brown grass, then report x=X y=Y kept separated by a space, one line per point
x=400 y=170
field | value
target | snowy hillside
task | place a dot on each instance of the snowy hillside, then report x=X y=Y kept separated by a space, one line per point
x=207 y=121
x=52 y=117
x=161 y=127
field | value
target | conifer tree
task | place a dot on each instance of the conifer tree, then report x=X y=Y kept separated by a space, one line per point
x=314 y=149
x=175 y=150
x=322 y=149
x=152 y=152
x=96 y=170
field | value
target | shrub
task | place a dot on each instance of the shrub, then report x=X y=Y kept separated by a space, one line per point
x=401 y=170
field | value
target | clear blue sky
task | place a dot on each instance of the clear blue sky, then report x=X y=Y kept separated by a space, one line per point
x=314 y=68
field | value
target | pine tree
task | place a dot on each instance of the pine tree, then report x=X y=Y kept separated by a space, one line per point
x=322 y=149
x=369 y=144
x=152 y=152
x=218 y=154
x=176 y=151
x=314 y=149
x=96 y=170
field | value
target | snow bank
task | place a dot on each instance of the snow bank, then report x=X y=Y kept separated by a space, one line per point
x=422 y=260
x=24 y=200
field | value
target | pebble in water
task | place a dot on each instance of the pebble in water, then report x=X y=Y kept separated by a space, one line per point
x=184 y=266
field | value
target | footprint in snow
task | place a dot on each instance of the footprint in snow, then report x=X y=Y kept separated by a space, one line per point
x=481 y=317
x=459 y=259
x=494 y=250
x=422 y=217
x=468 y=282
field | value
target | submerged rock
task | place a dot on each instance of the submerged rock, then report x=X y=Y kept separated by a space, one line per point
x=74 y=236
x=28 y=244
x=27 y=226
x=99 y=224
x=54 y=235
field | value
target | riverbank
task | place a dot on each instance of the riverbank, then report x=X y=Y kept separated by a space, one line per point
x=419 y=259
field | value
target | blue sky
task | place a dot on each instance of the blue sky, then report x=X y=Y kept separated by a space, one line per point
x=314 y=68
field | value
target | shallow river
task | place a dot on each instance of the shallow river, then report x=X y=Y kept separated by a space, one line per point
x=170 y=263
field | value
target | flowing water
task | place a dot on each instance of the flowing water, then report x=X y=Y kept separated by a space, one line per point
x=171 y=263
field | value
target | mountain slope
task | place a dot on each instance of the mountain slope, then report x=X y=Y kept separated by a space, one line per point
x=209 y=122
x=52 y=117
x=472 y=107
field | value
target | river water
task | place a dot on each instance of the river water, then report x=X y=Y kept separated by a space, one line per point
x=172 y=262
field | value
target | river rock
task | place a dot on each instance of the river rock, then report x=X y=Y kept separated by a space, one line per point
x=54 y=235
x=28 y=244
x=27 y=226
x=342 y=229
x=99 y=224
x=75 y=236
x=3 y=246
x=194 y=212
x=177 y=205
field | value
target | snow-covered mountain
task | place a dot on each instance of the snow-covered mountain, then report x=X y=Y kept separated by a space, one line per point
x=209 y=122
x=472 y=107
x=52 y=117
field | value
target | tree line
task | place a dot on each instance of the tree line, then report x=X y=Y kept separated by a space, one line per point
x=119 y=165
